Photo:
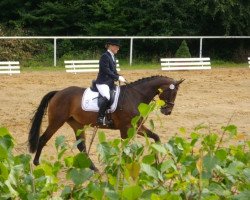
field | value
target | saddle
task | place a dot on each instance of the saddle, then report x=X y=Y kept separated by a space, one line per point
x=91 y=99
x=99 y=98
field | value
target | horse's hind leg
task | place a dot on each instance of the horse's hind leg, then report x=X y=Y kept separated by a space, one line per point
x=124 y=132
x=81 y=146
x=51 y=129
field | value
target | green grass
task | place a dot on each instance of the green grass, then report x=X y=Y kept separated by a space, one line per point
x=124 y=64
x=224 y=64
x=41 y=68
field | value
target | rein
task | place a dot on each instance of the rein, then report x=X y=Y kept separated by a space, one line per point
x=167 y=103
x=139 y=92
x=122 y=97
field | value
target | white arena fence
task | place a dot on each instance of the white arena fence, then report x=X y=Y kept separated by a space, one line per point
x=131 y=38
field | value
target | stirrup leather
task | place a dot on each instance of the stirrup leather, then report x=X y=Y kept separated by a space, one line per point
x=104 y=121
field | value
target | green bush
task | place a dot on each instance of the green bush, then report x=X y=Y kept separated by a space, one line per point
x=183 y=51
x=197 y=165
x=21 y=49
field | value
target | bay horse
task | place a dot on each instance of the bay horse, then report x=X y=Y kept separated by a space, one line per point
x=65 y=106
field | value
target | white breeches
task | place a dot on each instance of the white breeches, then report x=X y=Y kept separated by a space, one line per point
x=104 y=90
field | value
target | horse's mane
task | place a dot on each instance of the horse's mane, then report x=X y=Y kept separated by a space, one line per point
x=145 y=79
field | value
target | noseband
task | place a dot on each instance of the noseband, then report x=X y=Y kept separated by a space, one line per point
x=168 y=103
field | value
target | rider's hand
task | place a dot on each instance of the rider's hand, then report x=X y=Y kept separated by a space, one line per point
x=122 y=79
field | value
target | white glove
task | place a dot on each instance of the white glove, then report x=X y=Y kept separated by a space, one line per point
x=122 y=79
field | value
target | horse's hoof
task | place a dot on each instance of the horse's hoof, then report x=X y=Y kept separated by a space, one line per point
x=93 y=167
x=36 y=162
x=157 y=139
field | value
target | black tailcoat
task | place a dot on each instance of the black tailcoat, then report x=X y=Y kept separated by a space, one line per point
x=107 y=70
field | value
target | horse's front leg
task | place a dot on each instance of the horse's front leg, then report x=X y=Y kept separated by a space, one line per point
x=144 y=130
x=80 y=136
x=81 y=145
x=82 y=148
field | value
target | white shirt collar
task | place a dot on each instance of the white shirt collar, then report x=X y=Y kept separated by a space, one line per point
x=113 y=56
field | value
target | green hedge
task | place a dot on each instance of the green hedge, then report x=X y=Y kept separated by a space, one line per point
x=197 y=165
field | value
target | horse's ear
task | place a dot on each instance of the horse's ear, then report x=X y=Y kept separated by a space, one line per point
x=179 y=82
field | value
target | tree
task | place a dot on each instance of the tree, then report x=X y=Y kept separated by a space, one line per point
x=183 y=51
x=54 y=17
x=223 y=17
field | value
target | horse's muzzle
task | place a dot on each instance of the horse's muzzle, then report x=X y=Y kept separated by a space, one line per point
x=166 y=111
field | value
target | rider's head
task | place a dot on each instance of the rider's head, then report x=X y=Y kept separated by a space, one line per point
x=113 y=45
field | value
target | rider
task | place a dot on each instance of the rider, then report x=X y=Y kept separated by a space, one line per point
x=107 y=76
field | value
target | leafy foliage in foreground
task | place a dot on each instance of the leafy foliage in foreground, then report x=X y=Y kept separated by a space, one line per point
x=198 y=165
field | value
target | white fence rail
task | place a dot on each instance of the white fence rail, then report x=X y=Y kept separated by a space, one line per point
x=185 y=63
x=131 y=38
x=9 y=67
x=77 y=66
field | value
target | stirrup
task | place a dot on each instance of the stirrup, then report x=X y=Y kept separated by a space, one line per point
x=100 y=121
x=109 y=122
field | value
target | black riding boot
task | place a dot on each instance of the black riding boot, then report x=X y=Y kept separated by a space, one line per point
x=102 y=109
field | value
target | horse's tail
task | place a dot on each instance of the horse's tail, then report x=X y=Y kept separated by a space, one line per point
x=37 y=121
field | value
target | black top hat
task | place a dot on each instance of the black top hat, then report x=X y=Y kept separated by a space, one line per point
x=113 y=42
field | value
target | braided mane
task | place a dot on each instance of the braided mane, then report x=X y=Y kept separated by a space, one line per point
x=145 y=79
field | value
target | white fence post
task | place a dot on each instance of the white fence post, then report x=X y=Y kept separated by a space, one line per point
x=131 y=51
x=201 y=47
x=55 y=52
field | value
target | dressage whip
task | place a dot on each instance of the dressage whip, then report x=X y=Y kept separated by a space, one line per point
x=92 y=139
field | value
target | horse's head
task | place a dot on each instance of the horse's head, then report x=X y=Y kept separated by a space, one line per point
x=168 y=95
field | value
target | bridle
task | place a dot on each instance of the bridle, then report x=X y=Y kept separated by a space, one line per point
x=167 y=103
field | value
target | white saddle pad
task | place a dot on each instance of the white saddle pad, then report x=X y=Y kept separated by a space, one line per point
x=90 y=98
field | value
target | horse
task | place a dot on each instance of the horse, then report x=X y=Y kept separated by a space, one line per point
x=65 y=106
